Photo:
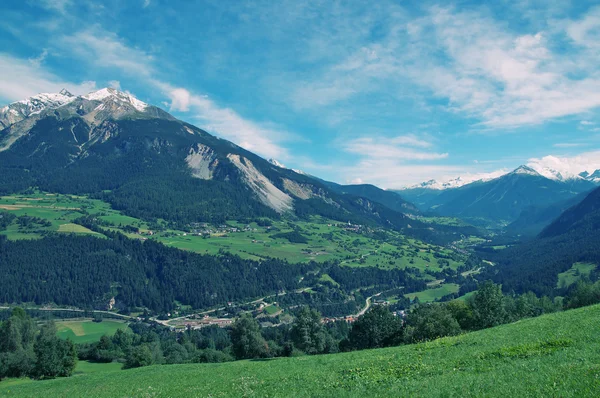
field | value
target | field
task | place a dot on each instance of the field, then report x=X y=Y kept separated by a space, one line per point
x=571 y=276
x=435 y=292
x=86 y=331
x=325 y=239
x=551 y=356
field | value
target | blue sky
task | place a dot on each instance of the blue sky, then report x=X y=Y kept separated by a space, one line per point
x=390 y=93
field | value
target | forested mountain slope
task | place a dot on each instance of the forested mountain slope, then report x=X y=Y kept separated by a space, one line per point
x=574 y=237
x=583 y=216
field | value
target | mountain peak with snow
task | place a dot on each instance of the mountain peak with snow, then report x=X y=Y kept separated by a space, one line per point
x=277 y=163
x=525 y=170
x=66 y=93
x=108 y=93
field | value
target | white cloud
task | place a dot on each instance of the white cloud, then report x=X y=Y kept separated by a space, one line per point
x=586 y=31
x=104 y=49
x=146 y=3
x=586 y=123
x=20 y=79
x=228 y=124
x=392 y=174
x=484 y=70
x=567 y=145
x=115 y=84
x=57 y=5
x=398 y=148
x=568 y=166
x=37 y=61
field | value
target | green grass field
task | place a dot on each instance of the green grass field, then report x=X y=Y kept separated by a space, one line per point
x=434 y=293
x=86 y=331
x=554 y=355
x=571 y=276
x=327 y=239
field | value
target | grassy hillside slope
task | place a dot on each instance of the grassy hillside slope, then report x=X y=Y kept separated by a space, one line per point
x=553 y=355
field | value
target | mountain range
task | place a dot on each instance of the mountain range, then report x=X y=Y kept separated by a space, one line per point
x=501 y=201
x=145 y=162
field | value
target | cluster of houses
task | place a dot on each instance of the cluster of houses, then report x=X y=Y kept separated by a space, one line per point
x=201 y=229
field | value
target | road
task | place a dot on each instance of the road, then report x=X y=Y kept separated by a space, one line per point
x=75 y=310
x=367 y=306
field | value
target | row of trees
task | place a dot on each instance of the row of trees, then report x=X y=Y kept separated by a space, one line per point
x=29 y=350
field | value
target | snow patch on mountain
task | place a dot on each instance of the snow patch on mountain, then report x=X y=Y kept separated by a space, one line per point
x=456 y=182
x=268 y=193
x=275 y=162
x=17 y=111
x=525 y=170
x=111 y=93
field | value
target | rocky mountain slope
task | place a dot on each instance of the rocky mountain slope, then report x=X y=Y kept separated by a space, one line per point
x=151 y=165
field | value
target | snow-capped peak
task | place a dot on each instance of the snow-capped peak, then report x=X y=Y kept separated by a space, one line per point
x=525 y=170
x=456 y=182
x=111 y=93
x=65 y=92
x=275 y=162
x=34 y=105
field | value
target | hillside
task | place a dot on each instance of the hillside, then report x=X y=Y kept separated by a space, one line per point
x=535 y=265
x=586 y=215
x=534 y=219
x=553 y=355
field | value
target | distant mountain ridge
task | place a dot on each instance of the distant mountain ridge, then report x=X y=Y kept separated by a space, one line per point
x=457 y=182
x=500 y=200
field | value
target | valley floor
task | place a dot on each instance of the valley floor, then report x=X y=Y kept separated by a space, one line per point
x=553 y=355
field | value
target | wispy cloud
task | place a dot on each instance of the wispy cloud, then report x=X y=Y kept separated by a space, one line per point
x=485 y=71
x=106 y=49
x=57 y=5
x=227 y=123
x=399 y=148
x=20 y=79
x=37 y=61
x=567 y=145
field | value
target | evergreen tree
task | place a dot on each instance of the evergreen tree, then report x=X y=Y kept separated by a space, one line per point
x=247 y=342
x=488 y=306
x=308 y=334
x=378 y=327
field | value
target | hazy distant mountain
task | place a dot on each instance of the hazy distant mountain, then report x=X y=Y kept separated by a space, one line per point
x=500 y=200
x=583 y=216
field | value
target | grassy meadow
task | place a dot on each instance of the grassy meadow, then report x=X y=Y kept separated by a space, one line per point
x=575 y=273
x=87 y=331
x=326 y=239
x=554 y=355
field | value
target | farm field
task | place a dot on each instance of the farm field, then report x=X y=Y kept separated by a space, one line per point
x=435 y=292
x=87 y=331
x=324 y=239
x=552 y=355
x=572 y=275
